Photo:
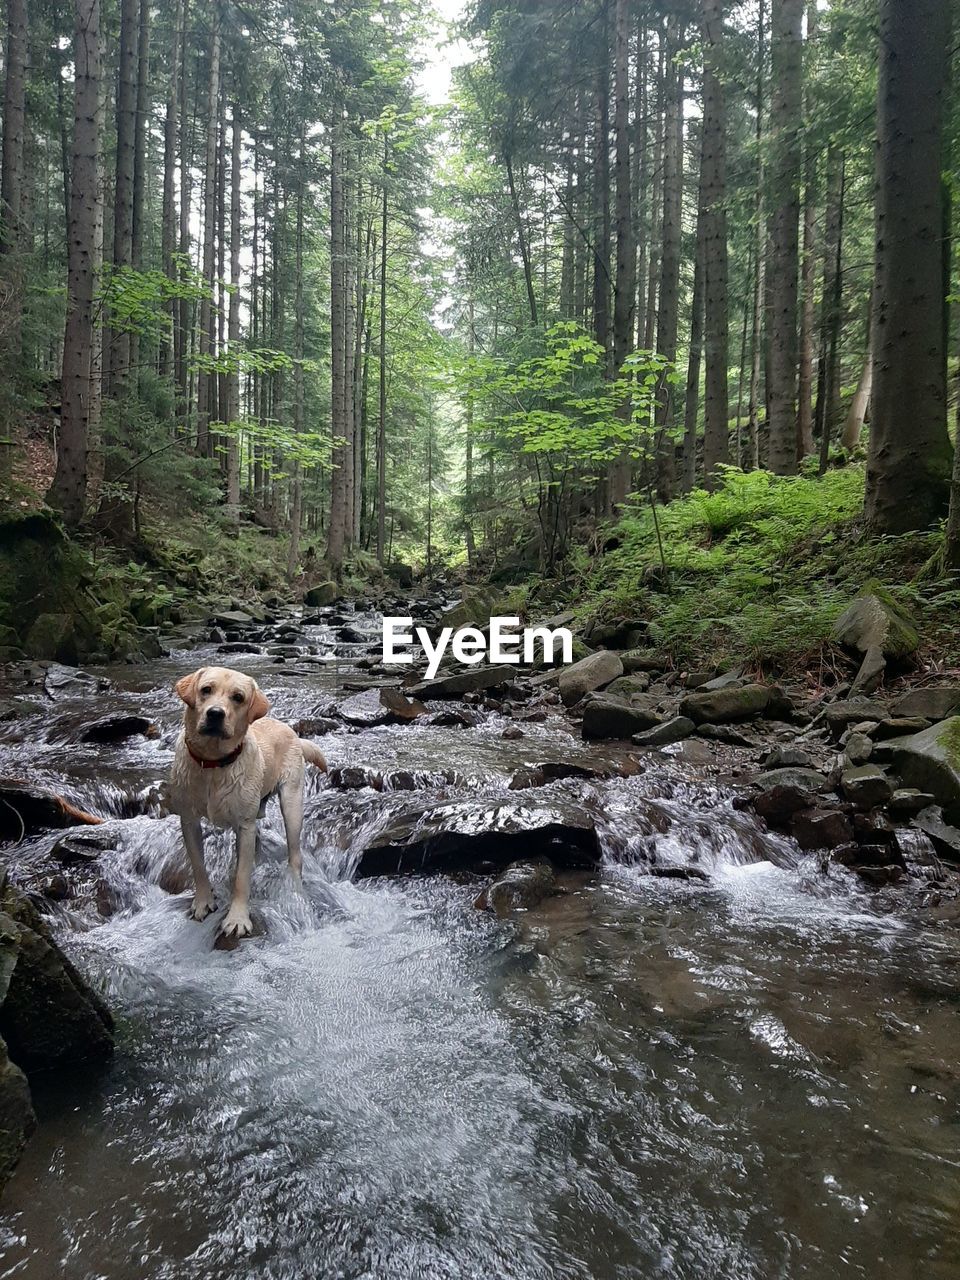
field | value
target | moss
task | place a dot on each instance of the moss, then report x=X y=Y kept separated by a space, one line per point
x=949 y=739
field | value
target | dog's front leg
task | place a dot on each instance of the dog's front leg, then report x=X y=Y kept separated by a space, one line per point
x=203 y=900
x=237 y=920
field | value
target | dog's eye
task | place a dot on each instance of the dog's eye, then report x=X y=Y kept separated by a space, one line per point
x=206 y=690
x=237 y=697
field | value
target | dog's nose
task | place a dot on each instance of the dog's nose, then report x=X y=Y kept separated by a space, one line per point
x=216 y=715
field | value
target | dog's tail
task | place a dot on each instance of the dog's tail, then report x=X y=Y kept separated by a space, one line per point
x=313 y=755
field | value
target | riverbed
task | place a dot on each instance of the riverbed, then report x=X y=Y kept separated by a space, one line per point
x=749 y=1075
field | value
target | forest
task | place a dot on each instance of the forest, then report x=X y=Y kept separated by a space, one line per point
x=270 y=299
x=479 y=660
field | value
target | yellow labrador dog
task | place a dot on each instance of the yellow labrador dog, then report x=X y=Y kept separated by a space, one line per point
x=228 y=760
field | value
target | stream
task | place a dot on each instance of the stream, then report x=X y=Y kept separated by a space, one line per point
x=752 y=1075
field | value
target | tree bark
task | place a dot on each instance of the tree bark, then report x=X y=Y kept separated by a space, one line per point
x=382 y=359
x=807 y=276
x=14 y=125
x=716 y=444
x=857 y=413
x=206 y=381
x=695 y=355
x=909 y=465
x=752 y=461
x=782 y=280
x=335 y=533
x=828 y=411
x=668 y=296
x=69 y=487
x=168 y=215
x=231 y=412
x=625 y=296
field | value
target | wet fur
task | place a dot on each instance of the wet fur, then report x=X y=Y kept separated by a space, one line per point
x=271 y=761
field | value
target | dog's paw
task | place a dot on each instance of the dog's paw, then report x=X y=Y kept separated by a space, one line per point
x=236 y=924
x=203 y=904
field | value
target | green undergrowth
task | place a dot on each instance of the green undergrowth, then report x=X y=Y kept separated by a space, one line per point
x=758 y=571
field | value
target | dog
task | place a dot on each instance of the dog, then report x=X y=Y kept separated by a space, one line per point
x=229 y=759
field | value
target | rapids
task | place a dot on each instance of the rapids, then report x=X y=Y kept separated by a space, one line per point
x=747 y=1077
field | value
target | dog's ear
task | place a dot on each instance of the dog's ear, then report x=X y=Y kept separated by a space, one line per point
x=186 y=687
x=259 y=706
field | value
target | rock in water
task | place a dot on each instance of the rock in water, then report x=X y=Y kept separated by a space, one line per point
x=589 y=673
x=323 y=593
x=522 y=885
x=401 y=707
x=875 y=620
x=50 y=1017
x=469 y=681
x=662 y=735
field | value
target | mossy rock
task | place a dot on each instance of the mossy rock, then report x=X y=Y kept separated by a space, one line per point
x=53 y=636
x=930 y=761
x=876 y=620
x=323 y=593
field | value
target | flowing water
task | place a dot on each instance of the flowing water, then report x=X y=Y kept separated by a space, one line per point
x=756 y=1075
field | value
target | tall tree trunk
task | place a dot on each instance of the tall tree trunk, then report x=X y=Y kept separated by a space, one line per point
x=716 y=442
x=296 y=505
x=857 y=412
x=231 y=412
x=752 y=461
x=168 y=217
x=206 y=381
x=785 y=108
x=139 y=166
x=653 y=269
x=349 y=331
x=829 y=407
x=695 y=354
x=668 y=298
x=625 y=296
x=14 y=125
x=522 y=239
x=69 y=487
x=336 y=531
x=808 y=275
x=182 y=336
x=382 y=360
x=14 y=129
x=601 y=197
x=909 y=466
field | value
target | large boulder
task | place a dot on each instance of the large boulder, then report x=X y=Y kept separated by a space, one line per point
x=322 y=594
x=50 y=1018
x=53 y=636
x=17 y=1120
x=589 y=673
x=937 y=702
x=930 y=761
x=866 y=785
x=720 y=706
x=661 y=735
x=875 y=620
x=605 y=716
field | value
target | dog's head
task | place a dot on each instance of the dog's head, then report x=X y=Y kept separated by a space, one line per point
x=220 y=703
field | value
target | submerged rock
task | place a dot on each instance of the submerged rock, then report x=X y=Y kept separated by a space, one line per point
x=401 y=707
x=522 y=885
x=117 y=727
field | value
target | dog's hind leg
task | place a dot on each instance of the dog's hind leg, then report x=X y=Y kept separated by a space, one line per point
x=291 y=806
x=203 y=900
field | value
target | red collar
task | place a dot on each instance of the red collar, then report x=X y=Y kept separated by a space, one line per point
x=216 y=764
